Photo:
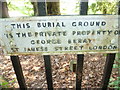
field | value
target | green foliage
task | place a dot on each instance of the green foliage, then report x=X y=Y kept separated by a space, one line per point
x=24 y=7
x=115 y=83
x=116 y=66
x=4 y=83
x=105 y=7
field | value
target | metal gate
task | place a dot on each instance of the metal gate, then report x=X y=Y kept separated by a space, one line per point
x=80 y=60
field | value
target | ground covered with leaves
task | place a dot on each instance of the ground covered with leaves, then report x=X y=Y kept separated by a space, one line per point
x=63 y=77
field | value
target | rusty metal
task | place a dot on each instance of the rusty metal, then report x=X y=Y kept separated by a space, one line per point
x=61 y=35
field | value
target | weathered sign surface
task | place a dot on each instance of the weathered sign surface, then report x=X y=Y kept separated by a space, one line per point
x=60 y=35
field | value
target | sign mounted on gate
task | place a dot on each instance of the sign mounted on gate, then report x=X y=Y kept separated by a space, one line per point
x=49 y=35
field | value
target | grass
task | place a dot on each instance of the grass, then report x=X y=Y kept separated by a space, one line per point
x=4 y=83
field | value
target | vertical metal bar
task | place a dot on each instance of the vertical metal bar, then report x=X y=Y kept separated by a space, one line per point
x=109 y=64
x=119 y=44
x=18 y=71
x=48 y=71
x=83 y=7
x=107 y=70
x=42 y=12
x=80 y=57
x=15 y=59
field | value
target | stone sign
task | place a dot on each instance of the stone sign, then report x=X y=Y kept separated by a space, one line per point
x=50 y=35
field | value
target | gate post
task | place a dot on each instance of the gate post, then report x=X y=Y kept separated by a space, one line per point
x=80 y=57
x=18 y=71
x=107 y=70
x=48 y=71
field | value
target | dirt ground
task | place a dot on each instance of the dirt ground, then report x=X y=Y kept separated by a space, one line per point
x=63 y=77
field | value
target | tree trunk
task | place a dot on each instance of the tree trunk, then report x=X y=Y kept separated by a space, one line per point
x=35 y=7
x=53 y=8
x=3 y=10
x=3 y=14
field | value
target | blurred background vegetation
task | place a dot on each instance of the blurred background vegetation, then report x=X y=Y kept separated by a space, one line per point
x=71 y=7
x=25 y=8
